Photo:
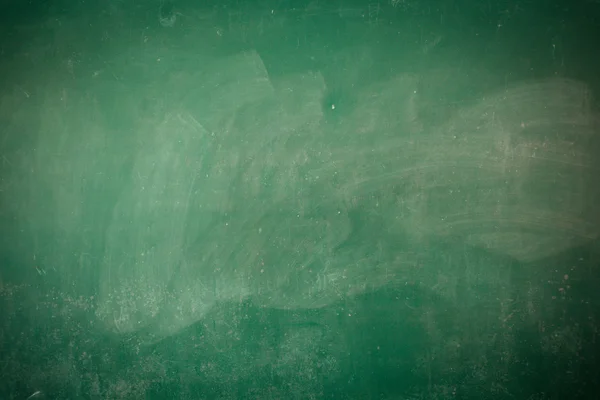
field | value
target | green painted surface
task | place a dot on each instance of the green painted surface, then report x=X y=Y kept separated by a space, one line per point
x=368 y=200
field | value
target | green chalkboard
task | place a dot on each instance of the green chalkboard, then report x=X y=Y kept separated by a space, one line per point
x=293 y=199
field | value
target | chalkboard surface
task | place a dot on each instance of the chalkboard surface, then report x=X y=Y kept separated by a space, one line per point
x=273 y=200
